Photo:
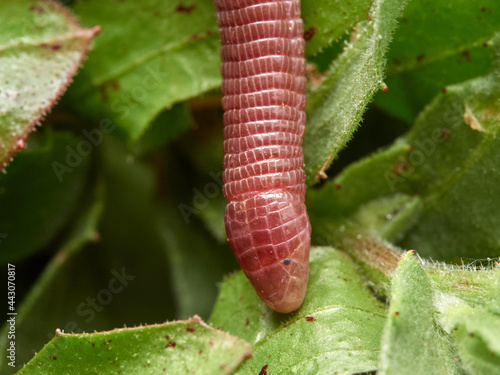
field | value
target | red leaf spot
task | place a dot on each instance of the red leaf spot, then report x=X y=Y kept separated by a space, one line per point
x=201 y=35
x=338 y=186
x=201 y=351
x=471 y=335
x=466 y=54
x=483 y=9
x=445 y=133
x=445 y=90
x=247 y=322
x=93 y=345
x=309 y=33
x=56 y=47
x=263 y=371
x=171 y=345
x=39 y=10
x=54 y=358
x=181 y=8
x=396 y=313
x=420 y=57
x=486 y=44
x=103 y=89
x=210 y=343
x=190 y=330
x=310 y=318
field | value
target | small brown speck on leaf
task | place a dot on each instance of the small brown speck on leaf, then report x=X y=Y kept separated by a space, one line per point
x=466 y=54
x=181 y=8
x=310 y=318
x=309 y=33
x=263 y=371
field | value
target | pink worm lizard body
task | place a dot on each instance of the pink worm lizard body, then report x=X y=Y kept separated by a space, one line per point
x=263 y=71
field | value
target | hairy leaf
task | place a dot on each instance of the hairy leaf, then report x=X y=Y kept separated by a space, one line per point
x=180 y=347
x=41 y=47
x=412 y=341
x=336 y=107
x=453 y=145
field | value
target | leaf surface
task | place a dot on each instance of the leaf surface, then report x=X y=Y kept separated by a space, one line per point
x=453 y=145
x=412 y=341
x=41 y=47
x=436 y=46
x=337 y=329
x=181 y=347
x=336 y=107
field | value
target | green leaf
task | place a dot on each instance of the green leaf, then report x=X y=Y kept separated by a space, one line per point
x=180 y=347
x=476 y=334
x=336 y=107
x=337 y=329
x=165 y=128
x=322 y=26
x=166 y=53
x=412 y=341
x=453 y=144
x=41 y=47
x=36 y=318
x=37 y=193
x=435 y=46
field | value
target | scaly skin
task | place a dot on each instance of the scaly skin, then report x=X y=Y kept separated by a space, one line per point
x=264 y=85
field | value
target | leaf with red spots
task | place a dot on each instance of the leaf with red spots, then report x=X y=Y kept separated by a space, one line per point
x=166 y=53
x=41 y=48
x=326 y=20
x=336 y=107
x=437 y=45
x=431 y=187
x=142 y=350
